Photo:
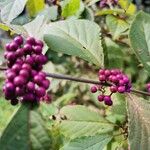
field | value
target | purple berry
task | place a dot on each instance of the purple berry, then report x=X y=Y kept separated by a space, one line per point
x=102 y=78
x=20 y=52
x=16 y=67
x=27 y=48
x=38 y=49
x=26 y=66
x=107 y=100
x=121 y=89
x=43 y=74
x=113 y=89
x=107 y=72
x=24 y=73
x=10 y=87
x=19 y=81
x=29 y=60
x=101 y=71
x=38 y=79
x=33 y=73
x=121 y=82
x=93 y=89
x=11 y=75
x=100 y=98
x=40 y=92
x=46 y=84
x=114 y=79
x=30 y=86
x=18 y=40
x=11 y=56
x=13 y=46
x=30 y=40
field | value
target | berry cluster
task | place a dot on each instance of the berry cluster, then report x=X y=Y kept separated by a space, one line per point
x=118 y=83
x=25 y=80
x=105 y=3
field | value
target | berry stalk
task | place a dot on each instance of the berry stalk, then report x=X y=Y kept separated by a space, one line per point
x=82 y=80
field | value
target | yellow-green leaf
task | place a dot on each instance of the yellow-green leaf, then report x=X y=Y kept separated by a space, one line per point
x=35 y=6
x=6 y=28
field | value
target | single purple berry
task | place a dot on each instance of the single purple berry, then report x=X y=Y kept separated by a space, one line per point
x=30 y=40
x=13 y=46
x=26 y=66
x=126 y=79
x=121 y=89
x=38 y=79
x=24 y=73
x=93 y=89
x=38 y=49
x=121 y=82
x=27 y=48
x=40 y=92
x=19 y=81
x=107 y=100
x=16 y=67
x=101 y=72
x=30 y=86
x=119 y=76
x=20 y=52
x=148 y=86
x=114 y=79
x=43 y=74
x=107 y=72
x=11 y=56
x=102 y=78
x=18 y=40
x=10 y=87
x=113 y=89
x=29 y=60
x=100 y=98
x=11 y=75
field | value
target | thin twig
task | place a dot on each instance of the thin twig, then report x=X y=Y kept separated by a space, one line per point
x=88 y=81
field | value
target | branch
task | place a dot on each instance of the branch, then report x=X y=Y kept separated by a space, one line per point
x=88 y=81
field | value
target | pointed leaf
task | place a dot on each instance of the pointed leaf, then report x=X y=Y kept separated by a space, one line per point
x=97 y=142
x=76 y=37
x=16 y=134
x=10 y=9
x=80 y=121
x=139 y=123
x=140 y=38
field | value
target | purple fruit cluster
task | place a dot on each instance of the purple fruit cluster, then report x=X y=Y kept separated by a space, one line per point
x=25 y=81
x=105 y=3
x=119 y=82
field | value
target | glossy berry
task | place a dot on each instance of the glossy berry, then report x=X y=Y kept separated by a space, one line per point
x=30 y=40
x=113 y=89
x=93 y=89
x=30 y=86
x=100 y=98
x=18 y=40
x=121 y=89
x=40 y=92
x=13 y=46
x=19 y=81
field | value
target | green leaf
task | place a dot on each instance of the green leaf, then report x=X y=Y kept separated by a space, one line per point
x=139 y=122
x=114 y=53
x=139 y=37
x=80 y=121
x=88 y=14
x=25 y=131
x=116 y=26
x=97 y=142
x=39 y=135
x=34 y=7
x=10 y=9
x=16 y=134
x=6 y=28
x=40 y=23
x=70 y=7
x=76 y=37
